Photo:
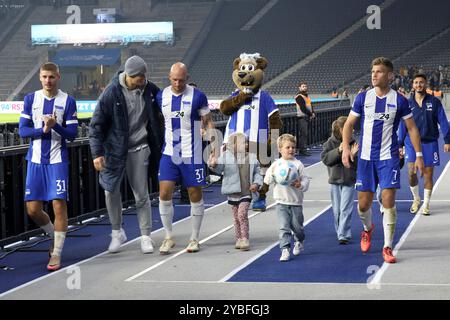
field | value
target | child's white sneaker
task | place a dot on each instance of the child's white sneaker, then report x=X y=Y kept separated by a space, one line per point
x=285 y=256
x=298 y=247
x=245 y=244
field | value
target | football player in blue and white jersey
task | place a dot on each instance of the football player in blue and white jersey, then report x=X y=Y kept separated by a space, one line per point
x=427 y=112
x=49 y=118
x=379 y=111
x=185 y=111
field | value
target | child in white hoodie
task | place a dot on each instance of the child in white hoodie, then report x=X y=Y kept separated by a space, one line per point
x=289 y=198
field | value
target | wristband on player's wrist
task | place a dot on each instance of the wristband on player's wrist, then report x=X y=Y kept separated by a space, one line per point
x=419 y=154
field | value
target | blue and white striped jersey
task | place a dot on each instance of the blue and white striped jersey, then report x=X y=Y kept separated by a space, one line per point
x=48 y=148
x=252 y=119
x=380 y=117
x=182 y=117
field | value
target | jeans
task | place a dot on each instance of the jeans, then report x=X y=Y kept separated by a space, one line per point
x=290 y=220
x=342 y=201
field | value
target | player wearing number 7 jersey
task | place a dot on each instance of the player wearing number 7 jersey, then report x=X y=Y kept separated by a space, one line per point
x=380 y=111
x=185 y=111
x=49 y=118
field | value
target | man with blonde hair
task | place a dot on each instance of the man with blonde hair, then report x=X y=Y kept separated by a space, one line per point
x=379 y=111
x=49 y=118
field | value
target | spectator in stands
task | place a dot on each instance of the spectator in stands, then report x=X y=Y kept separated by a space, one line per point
x=305 y=113
x=427 y=113
x=182 y=106
x=345 y=93
x=380 y=110
x=49 y=118
x=126 y=136
x=364 y=88
x=341 y=179
x=335 y=93
x=402 y=91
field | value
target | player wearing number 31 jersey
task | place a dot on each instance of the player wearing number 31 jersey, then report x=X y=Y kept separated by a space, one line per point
x=49 y=118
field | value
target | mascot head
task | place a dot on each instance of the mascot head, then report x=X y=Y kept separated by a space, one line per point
x=248 y=72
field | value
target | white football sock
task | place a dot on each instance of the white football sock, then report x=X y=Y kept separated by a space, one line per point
x=60 y=236
x=415 y=192
x=166 y=213
x=50 y=229
x=427 y=197
x=389 y=222
x=366 y=218
x=197 y=212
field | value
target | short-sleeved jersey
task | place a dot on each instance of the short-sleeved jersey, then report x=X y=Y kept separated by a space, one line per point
x=48 y=148
x=252 y=119
x=182 y=117
x=380 y=117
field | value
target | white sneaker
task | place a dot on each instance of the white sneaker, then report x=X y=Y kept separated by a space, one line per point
x=167 y=244
x=285 y=256
x=298 y=247
x=245 y=244
x=146 y=244
x=425 y=210
x=193 y=246
x=238 y=244
x=118 y=237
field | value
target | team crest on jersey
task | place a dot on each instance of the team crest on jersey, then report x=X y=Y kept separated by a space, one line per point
x=186 y=103
x=59 y=108
x=391 y=105
x=429 y=106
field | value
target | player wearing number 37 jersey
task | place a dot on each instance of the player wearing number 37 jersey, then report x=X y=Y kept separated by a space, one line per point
x=185 y=111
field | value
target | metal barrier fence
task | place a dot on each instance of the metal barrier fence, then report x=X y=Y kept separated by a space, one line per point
x=86 y=197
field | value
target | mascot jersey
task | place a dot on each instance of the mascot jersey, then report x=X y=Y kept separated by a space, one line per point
x=182 y=116
x=252 y=118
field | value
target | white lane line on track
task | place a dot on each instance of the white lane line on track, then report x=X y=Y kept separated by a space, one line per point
x=394 y=284
x=92 y=258
x=245 y=264
x=377 y=278
x=132 y=278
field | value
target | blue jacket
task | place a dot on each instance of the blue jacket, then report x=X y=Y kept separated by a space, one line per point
x=427 y=119
x=108 y=132
x=231 y=182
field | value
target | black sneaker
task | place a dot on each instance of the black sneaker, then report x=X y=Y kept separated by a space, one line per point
x=343 y=241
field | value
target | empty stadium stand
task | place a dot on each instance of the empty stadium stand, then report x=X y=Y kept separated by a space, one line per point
x=289 y=31
x=401 y=31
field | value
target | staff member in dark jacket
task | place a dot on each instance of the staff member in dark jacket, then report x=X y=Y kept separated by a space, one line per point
x=341 y=179
x=305 y=113
x=125 y=133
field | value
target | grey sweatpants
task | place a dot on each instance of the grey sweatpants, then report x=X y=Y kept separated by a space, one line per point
x=136 y=170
